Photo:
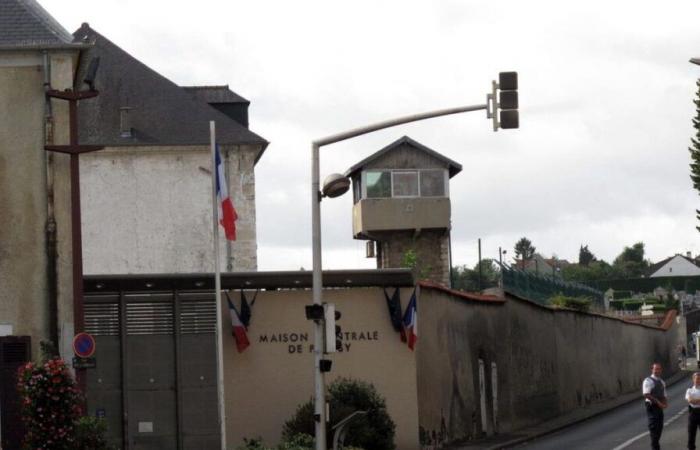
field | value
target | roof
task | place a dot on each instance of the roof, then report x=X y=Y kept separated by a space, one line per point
x=655 y=267
x=454 y=167
x=161 y=112
x=300 y=279
x=25 y=24
x=215 y=94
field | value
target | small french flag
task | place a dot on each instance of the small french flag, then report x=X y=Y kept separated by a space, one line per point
x=239 y=330
x=227 y=213
x=410 y=322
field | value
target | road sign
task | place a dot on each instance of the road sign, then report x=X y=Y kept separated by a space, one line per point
x=83 y=345
x=84 y=363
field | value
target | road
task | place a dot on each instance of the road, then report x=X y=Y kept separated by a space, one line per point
x=623 y=428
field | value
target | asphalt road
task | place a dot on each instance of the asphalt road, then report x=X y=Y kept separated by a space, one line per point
x=624 y=428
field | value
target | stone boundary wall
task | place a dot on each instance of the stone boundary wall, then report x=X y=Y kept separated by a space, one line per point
x=489 y=365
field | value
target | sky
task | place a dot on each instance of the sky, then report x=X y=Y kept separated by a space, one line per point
x=600 y=159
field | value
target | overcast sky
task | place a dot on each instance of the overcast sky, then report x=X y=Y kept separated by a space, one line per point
x=606 y=105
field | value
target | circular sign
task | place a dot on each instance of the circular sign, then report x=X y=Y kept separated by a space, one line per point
x=84 y=345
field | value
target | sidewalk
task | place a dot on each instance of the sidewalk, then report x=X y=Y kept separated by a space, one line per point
x=571 y=418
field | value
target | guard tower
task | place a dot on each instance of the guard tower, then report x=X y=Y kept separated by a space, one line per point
x=402 y=207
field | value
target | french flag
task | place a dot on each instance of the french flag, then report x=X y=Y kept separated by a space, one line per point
x=410 y=321
x=239 y=330
x=227 y=213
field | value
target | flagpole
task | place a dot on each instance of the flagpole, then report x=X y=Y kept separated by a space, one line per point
x=217 y=284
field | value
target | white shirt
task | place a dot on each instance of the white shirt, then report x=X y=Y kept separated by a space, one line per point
x=692 y=393
x=648 y=385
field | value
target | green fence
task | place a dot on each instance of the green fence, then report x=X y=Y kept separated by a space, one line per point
x=645 y=285
x=541 y=288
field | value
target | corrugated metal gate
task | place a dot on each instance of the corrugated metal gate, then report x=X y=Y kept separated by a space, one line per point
x=155 y=380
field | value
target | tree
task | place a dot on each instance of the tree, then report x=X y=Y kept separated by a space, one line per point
x=466 y=279
x=372 y=431
x=585 y=256
x=695 y=149
x=595 y=271
x=630 y=263
x=524 y=250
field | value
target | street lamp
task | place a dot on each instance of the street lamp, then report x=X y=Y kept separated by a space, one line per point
x=695 y=61
x=336 y=185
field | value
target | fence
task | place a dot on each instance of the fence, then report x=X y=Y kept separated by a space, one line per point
x=541 y=288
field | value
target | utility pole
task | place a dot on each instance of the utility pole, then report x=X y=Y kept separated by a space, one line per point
x=480 y=286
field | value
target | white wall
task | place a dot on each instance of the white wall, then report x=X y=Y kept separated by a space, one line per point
x=677 y=267
x=149 y=210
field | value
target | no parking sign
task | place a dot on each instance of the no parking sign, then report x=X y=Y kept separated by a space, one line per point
x=84 y=348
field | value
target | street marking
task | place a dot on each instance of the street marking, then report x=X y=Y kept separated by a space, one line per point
x=646 y=433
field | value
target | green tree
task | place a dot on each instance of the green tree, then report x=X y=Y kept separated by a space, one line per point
x=585 y=256
x=466 y=279
x=372 y=431
x=595 y=271
x=630 y=263
x=695 y=148
x=524 y=249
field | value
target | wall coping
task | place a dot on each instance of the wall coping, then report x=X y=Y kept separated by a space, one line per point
x=501 y=300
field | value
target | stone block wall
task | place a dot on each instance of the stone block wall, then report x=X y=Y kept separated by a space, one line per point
x=431 y=249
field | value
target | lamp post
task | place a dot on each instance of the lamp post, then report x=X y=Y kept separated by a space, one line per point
x=334 y=187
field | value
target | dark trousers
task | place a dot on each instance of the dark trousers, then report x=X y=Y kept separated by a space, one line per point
x=693 y=423
x=655 y=417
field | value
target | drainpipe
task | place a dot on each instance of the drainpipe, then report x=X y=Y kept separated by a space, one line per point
x=51 y=250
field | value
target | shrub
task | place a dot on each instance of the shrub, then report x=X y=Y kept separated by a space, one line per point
x=578 y=303
x=372 y=431
x=90 y=434
x=50 y=405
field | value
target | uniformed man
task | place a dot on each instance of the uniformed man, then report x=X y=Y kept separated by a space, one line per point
x=692 y=396
x=655 y=400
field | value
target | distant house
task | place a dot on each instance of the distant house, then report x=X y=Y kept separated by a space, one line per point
x=146 y=198
x=675 y=266
x=541 y=265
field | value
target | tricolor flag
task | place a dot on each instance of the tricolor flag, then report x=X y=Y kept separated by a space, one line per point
x=239 y=330
x=410 y=321
x=227 y=213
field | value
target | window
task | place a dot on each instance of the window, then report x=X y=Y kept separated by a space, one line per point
x=378 y=183
x=402 y=183
x=432 y=183
x=405 y=184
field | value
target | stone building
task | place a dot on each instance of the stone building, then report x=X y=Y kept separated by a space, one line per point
x=402 y=203
x=147 y=196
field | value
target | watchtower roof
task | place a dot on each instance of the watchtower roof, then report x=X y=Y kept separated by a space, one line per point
x=453 y=167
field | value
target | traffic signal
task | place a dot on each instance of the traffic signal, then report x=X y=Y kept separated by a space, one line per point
x=503 y=102
x=333 y=335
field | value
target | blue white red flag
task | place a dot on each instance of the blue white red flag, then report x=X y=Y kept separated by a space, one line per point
x=227 y=213
x=410 y=321
x=239 y=329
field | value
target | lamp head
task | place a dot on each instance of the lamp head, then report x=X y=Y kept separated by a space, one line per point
x=695 y=61
x=335 y=185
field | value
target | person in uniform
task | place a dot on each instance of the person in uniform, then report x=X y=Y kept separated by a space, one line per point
x=655 y=401
x=692 y=396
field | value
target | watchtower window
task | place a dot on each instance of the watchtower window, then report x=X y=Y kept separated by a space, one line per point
x=402 y=183
x=432 y=183
x=405 y=184
x=378 y=183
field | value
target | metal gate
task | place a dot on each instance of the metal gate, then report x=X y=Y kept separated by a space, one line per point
x=155 y=380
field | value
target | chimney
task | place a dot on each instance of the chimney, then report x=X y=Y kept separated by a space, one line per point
x=688 y=255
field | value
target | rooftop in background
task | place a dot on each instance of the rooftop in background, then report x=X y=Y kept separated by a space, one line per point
x=24 y=24
x=215 y=94
x=160 y=112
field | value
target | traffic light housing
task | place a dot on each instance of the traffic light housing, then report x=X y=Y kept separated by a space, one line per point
x=503 y=102
x=333 y=333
